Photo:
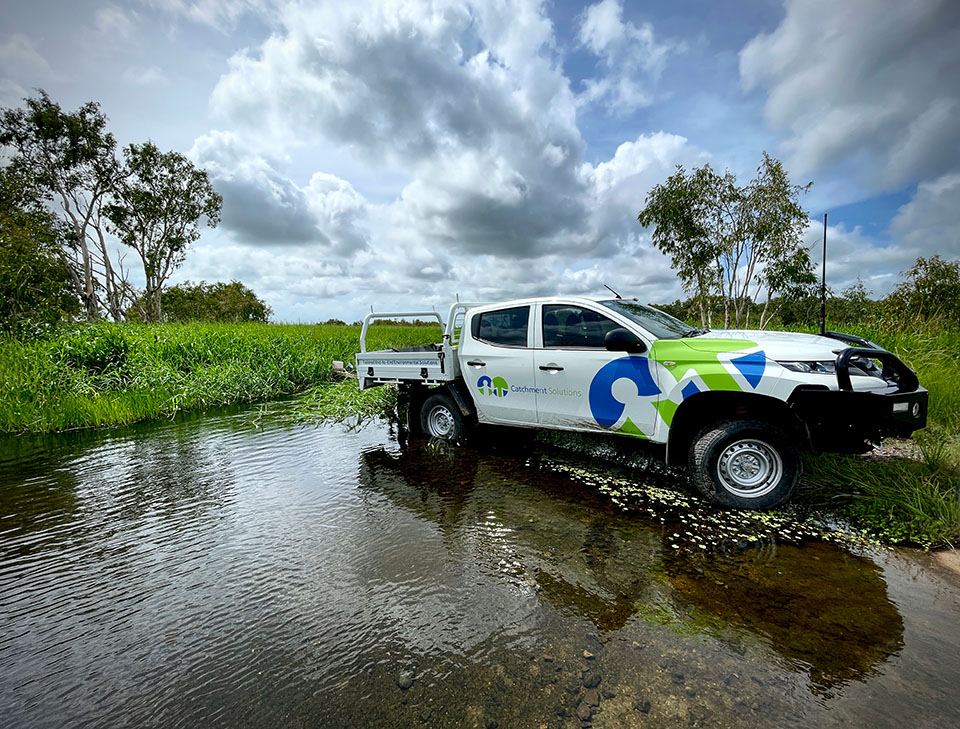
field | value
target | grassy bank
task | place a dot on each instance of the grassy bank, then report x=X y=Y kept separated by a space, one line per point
x=110 y=374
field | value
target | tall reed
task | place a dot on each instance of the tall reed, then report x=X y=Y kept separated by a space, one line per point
x=112 y=374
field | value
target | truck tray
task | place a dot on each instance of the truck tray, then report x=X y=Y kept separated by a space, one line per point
x=426 y=365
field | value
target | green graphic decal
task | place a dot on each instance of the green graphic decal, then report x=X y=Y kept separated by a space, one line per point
x=630 y=428
x=667 y=409
x=679 y=357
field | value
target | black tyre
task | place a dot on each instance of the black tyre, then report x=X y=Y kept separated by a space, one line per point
x=441 y=418
x=744 y=464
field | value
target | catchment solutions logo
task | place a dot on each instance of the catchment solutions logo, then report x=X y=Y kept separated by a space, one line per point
x=497 y=387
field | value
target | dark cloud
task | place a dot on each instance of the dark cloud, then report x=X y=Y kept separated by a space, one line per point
x=262 y=207
x=267 y=215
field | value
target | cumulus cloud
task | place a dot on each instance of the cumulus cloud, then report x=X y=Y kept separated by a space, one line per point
x=630 y=57
x=865 y=85
x=469 y=102
x=619 y=185
x=464 y=98
x=853 y=255
x=263 y=206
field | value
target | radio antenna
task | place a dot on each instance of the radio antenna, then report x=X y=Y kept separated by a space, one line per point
x=823 y=281
x=614 y=292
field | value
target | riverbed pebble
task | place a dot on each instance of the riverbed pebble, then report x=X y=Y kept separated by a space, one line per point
x=584 y=712
x=591 y=679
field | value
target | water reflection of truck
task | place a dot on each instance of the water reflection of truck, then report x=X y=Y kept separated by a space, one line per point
x=735 y=406
x=814 y=609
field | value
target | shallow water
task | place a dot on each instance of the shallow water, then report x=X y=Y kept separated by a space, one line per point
x=208 y=572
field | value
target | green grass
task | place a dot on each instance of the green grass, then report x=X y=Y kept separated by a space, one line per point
x=114 y=374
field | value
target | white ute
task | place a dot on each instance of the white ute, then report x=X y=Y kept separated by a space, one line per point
x=735 y=406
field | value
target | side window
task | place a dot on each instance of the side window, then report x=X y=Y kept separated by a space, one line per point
x=573 y=326
x=506 y=327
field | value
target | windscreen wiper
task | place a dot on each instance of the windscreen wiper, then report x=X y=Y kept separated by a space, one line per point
x=694 y=333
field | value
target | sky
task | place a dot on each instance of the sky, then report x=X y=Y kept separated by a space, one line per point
x=397 y=154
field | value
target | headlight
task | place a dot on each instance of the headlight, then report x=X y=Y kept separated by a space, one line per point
x=860 y=366
x=815 y=368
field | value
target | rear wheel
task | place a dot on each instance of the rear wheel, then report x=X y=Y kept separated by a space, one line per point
x=441 y=418
x=744 y=464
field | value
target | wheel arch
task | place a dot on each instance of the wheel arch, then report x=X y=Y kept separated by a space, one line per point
x=705 y=408
x=457 y=389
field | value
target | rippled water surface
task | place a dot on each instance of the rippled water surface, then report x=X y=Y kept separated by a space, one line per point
x=212 y=573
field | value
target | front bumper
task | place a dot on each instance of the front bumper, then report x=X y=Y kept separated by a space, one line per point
x=847 y=420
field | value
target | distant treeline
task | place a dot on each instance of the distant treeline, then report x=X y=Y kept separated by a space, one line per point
x=928 y=296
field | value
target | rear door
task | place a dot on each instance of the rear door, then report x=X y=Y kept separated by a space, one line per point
x=496 y=361
x=581 y=385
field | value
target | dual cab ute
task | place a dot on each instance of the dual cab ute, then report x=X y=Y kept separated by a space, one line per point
x=735 y=406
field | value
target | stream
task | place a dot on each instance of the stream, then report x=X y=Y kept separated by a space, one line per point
x=230 y=570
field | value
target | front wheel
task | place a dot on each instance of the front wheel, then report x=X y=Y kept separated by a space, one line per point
x=441 y=418
x=744 y=464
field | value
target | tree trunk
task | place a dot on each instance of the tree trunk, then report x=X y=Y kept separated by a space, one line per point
x=723 y=294
x=89 y=295
x=156 y=304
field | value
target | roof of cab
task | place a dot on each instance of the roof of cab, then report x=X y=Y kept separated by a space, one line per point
x=537 y=300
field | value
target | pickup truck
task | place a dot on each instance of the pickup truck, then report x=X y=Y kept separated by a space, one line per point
x=735 y=406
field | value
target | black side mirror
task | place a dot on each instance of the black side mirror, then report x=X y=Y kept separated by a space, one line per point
x=623 y=340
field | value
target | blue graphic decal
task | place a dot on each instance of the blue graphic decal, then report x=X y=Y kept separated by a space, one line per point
x=751 y=367
x=689 y=389
x=606 y=409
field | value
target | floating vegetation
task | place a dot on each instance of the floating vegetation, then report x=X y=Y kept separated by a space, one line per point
x=344 y=402
x=693 y=525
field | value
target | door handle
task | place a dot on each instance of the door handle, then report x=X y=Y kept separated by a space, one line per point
x=551 y=368
x=477 y=363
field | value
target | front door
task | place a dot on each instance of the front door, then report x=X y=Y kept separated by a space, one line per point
x=581 y=385
x=497 y=365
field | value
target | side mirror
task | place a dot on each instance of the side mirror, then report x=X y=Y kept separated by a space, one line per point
x=623 y=340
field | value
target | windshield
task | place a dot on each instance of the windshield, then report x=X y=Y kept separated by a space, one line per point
x=660 y=325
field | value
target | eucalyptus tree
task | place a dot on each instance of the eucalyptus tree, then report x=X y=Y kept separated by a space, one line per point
x=682 y=211
x=159 y=202
x=72 y=158
x=722 y=239
x=775 y=241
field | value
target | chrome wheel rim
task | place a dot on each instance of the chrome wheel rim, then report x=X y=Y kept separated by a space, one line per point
x=440 y=421
x=749 y=468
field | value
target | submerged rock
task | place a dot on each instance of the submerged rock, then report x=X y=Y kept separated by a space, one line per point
x=405 y=679
x=591 y=679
